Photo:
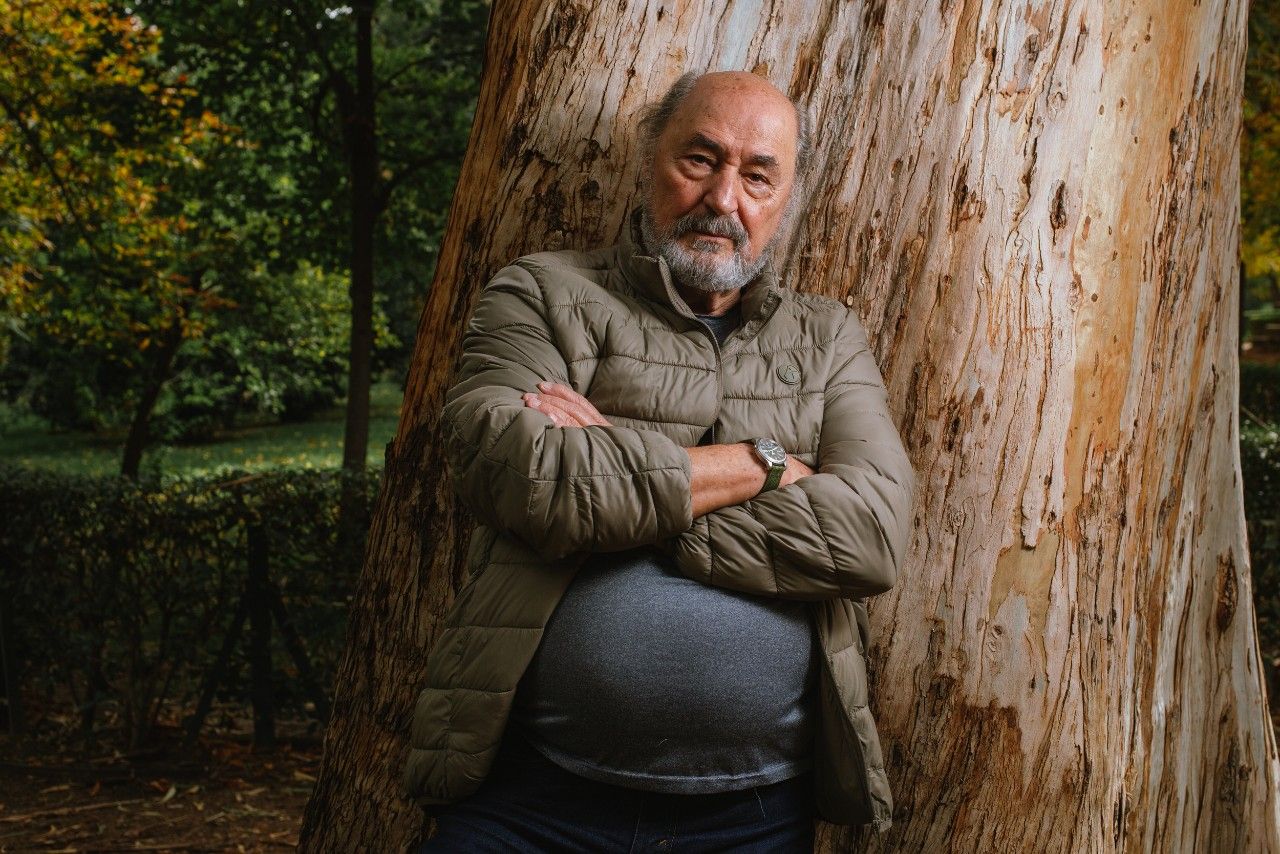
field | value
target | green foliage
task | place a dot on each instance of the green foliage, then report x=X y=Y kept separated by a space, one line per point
x=280 y=349
x=1260 y=152
x=26 y=440
x=283 y=351
x=1260 y=391
x=1260 y=464
x=102 y=266
x=95 y=249
x=189 y=163
x=282 y=73
x=123 y=590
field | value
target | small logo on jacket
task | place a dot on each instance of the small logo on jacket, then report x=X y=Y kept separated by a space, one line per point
x=789 y=374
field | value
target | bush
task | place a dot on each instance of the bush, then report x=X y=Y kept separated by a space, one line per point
x=277 y=347
x=1260 y=390
x=1260 y=464
x=280 y=350
x=123 y=591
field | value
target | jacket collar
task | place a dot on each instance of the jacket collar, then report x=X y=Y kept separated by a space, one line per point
x=650 y=276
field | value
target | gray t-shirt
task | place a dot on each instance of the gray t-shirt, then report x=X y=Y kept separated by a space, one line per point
x=648 y=679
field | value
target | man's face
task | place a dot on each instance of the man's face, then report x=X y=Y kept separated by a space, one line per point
x=722 y=174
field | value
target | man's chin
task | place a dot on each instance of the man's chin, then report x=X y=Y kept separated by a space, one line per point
x=702 y=277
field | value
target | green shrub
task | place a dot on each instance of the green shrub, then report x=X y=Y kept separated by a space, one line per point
x=123 y=591
x=1260 y=465
x=1260 y=390
x=281 y=350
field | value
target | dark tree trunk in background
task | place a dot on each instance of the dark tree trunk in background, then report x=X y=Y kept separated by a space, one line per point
x=1033 y=205
x=361 y=135
x=140 y=427
x=261 y=687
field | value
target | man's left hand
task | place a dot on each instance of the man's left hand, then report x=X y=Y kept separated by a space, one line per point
x=564 y=406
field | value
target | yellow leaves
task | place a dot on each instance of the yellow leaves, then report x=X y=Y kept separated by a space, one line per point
x=1261 y=255
x=102 y=190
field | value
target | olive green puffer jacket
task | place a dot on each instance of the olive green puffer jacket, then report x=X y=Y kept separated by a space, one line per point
x=610 y=324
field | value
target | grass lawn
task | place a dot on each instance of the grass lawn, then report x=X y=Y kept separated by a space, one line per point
x=311 y=444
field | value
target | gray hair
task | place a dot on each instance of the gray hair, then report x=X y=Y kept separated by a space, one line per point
x=655 y=116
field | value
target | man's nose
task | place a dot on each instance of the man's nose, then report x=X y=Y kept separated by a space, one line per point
x=721 y=195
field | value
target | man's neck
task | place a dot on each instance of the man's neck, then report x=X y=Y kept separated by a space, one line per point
x=709 y=302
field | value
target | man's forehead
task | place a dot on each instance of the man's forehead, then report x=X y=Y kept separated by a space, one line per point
x=740 y=101
x=754 y=116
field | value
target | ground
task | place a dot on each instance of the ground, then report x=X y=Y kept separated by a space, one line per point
x=220 y=796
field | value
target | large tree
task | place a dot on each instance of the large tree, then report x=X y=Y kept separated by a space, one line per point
x=99 y=253
x=1034 y=207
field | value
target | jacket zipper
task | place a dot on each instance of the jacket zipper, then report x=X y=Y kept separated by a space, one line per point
x=715 y=346
x=674 y=303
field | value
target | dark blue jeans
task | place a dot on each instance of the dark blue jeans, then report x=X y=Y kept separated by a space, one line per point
x=529 y=803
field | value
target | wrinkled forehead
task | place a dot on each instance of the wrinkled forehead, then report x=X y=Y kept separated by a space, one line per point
x=750 y=121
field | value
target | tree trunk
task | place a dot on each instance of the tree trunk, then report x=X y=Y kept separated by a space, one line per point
x=1033 y=206
x=140 y=427
x=361 y=136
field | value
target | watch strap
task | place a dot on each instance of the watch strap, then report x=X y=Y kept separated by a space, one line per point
x=774 y=477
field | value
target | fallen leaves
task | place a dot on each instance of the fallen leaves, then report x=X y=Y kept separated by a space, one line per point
x=226 y=799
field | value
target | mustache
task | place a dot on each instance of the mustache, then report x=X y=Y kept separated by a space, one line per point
x=721 y=226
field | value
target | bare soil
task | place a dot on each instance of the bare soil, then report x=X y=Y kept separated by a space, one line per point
x=220 y=796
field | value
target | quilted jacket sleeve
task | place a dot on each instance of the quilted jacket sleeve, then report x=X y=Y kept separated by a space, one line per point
x=558 y=489
x=840 y=532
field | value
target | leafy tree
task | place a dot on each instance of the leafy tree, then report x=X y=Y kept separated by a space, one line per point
x=367 y=114
x=270 y=189
x=1260 y=151
x=98 y=250
x=282 y=353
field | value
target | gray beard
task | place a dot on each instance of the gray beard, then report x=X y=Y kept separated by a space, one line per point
x=694 y=268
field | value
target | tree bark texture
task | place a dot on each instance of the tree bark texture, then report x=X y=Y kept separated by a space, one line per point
x=1034 y=207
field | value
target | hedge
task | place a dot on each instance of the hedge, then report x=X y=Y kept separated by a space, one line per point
x=1260 y=391
x=122 y=592
x=1260 y=466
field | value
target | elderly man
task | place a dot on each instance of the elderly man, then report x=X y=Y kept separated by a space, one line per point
x=687 y=479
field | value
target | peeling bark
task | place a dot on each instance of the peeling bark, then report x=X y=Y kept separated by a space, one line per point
x=1034 y=207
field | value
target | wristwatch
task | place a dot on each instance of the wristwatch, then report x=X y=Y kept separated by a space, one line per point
x=774 y=457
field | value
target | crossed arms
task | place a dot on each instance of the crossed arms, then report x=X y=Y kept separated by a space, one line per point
x=721 y=475
x=541 y=464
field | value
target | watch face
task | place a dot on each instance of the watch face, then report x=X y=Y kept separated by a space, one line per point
x=773 y=453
